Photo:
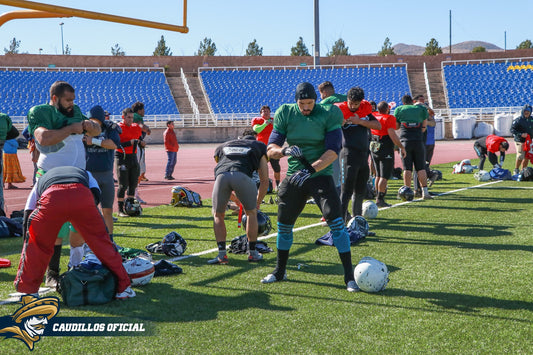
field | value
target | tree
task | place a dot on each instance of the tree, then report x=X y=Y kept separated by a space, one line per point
x=117 y=51
x=162 y=49
x=300 y=49
x=207 y=47
x=479 y=49
x=339 y=48
x=524 y=45
x=254 y=49
x=386 y=49
x=13 y=47
x=68 y=50
x=432 y=47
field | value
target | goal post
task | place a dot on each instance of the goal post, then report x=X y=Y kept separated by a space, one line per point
x=47 y=11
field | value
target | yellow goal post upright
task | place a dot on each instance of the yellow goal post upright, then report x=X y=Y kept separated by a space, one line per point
x=40 y=10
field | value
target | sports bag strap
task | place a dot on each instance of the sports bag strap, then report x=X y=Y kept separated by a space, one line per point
x=85 y=292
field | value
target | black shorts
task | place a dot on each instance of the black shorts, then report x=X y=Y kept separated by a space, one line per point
x=292 y=198
x=384 y=163
x=415 y=154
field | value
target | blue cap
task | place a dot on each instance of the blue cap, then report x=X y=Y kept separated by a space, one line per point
x=98 y=113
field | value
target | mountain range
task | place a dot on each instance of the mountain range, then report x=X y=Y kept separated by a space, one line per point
x=463 y=47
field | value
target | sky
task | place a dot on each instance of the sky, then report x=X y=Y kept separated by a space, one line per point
x=275 y=24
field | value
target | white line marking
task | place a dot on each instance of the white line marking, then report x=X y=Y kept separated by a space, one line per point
x=324 y=223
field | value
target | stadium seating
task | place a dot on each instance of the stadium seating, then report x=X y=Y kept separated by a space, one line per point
x=245 y=91
x=113 y=90
x=489 y=84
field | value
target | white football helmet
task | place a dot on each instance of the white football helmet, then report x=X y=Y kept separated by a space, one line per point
x=140 y=270
x=370 y=209
x=482 y=175
x=371 y=275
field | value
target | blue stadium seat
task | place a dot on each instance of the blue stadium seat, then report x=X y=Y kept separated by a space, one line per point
x=244 y=91
x=112 y=90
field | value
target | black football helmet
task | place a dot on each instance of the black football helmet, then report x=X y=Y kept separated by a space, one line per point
x=405 y=193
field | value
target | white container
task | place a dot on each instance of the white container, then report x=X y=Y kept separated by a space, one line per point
x=482 y=129
x=439 y=128
x=502 y=124
x=463 y=127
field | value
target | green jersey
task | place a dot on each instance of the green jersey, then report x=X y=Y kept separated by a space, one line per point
x=138 y=118
x=5 y=126
x=307 y=132
x=411 y=113
x=49 y=117
x=330 y=100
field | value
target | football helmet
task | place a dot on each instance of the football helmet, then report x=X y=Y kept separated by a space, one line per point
x=132 y=207
x=435 y=175
x=482 y=175
x=370 y=209
x=358 y=224
x=405 y=193
x=239 y=245
x=371 y=275
x=173 y=244
x=264 y=225
x=140 y=270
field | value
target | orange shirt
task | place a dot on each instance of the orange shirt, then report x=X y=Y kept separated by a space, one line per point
x=387 y=121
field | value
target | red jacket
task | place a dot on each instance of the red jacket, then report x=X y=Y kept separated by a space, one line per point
x=493 y=143
x=171 y=140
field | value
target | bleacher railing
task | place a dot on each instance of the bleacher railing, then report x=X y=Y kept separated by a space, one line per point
x=245 y=119
x=304 y=67
x=82 y=69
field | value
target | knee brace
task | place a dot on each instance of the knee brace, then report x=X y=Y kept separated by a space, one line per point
x=341 y=240
x=285 y=236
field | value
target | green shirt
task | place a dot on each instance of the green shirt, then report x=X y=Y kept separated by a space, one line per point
x=307 y=132
x=330 y=100
x=411 y=113
x=47 y=116
x=138 y=118
x=5 y=126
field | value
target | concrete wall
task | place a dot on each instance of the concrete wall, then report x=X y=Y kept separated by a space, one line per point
x=190 y=64
x=197 y=135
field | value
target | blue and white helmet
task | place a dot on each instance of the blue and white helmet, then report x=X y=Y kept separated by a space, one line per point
x=358 y=224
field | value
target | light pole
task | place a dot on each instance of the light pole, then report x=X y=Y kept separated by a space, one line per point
x=62 y=46
x=40 y=50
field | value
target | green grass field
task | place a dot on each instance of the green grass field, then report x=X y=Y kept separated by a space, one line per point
x=460 y=282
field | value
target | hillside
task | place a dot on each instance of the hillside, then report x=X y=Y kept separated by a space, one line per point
x=463 y=47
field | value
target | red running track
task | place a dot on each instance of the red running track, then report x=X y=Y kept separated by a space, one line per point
x=194 y=170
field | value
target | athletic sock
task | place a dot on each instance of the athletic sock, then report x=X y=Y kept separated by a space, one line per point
x=425 y=190
x=121 y=206
x=251 y=245
x=281 y=264
x=381 y=196
x=277 y=184
x=346 y=260
x=53 y=265
x=221 y=247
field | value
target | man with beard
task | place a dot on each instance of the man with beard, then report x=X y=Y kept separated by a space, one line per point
x=358 y=119
x=58 y=128
x=314 y=135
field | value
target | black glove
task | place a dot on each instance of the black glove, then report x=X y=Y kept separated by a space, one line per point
x=300 y=177
x=293 y=151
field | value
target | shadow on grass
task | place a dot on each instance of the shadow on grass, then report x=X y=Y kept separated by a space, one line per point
x=460 y=302
x=448 y=229
x=164 y=303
